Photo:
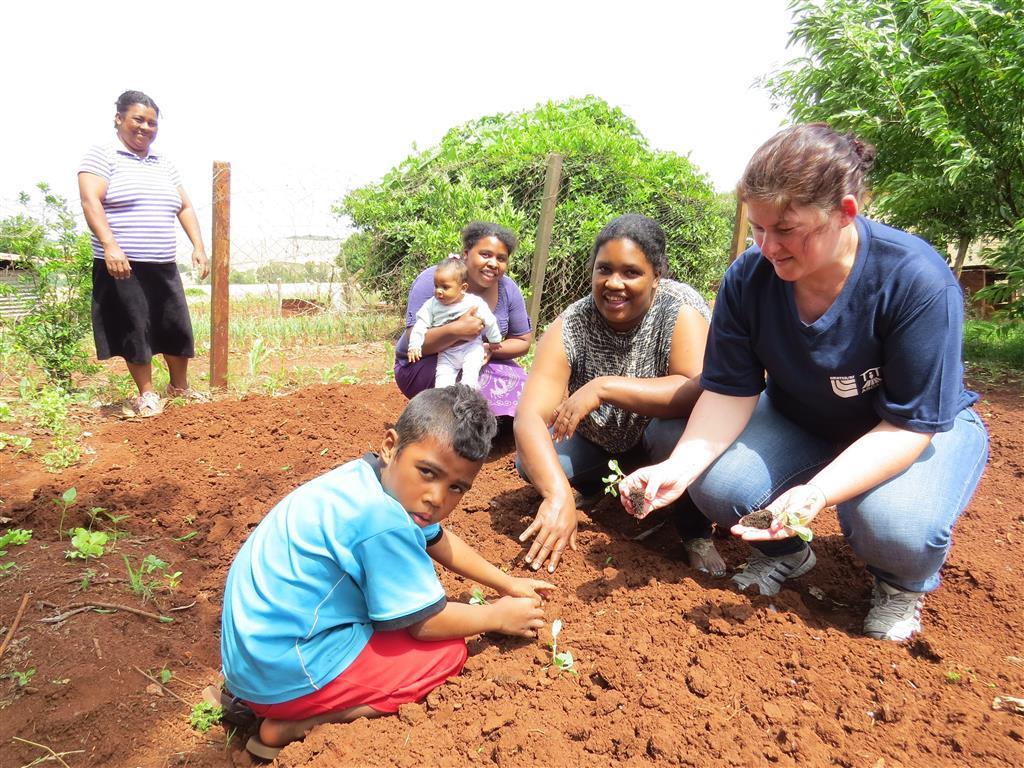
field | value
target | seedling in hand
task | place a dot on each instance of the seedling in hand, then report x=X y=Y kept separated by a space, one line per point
x=763 y=519
x=66 y=500
x=611 y=487
x=477 y=597
x=563 y=661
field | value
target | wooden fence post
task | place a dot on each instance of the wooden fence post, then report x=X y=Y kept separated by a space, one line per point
x=219 y=300
x=552 y=181
x=739 y=231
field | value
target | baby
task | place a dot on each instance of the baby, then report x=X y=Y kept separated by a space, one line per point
x=451 y=301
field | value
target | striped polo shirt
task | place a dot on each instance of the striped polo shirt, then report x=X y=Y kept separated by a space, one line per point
x=141 y=203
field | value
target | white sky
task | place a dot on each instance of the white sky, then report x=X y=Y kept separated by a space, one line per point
x=307 y=100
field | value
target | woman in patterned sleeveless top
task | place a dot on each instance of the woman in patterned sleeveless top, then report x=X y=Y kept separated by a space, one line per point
x=614 y=377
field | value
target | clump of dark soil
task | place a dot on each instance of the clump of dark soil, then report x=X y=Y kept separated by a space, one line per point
x=761 y=518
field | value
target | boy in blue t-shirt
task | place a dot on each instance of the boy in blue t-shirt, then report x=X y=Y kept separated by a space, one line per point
x=332 y=608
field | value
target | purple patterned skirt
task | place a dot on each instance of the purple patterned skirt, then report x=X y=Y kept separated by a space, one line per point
x=501 y=381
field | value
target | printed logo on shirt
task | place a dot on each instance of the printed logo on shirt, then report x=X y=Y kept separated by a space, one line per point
x=851 y=386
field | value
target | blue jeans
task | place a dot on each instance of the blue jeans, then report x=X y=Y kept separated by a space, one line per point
x=585 y=463
x=900 y=528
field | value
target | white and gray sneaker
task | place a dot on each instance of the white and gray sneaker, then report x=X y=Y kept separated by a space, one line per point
x=895 y=613
x=768 y=573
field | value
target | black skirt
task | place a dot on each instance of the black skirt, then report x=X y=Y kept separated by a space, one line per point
x=142 y=316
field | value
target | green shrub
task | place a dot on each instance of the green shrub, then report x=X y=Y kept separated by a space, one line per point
x=56 y=264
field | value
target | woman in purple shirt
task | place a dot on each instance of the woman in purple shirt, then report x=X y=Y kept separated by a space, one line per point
x=486 y=249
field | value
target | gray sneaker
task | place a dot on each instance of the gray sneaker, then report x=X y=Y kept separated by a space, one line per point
x=895 y=613
x=768 y=573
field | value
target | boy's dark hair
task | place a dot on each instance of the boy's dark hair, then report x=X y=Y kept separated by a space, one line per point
x=454 y=266
x=646 y=233
x=126 y=99
x=457 y=416
x=476 y=231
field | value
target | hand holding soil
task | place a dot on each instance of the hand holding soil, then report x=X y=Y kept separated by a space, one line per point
x=650 y=488
x=789 y=515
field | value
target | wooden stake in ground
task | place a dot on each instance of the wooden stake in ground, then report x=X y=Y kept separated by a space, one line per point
x=14 y=626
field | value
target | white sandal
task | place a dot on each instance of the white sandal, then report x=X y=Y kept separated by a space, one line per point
x=148 y=404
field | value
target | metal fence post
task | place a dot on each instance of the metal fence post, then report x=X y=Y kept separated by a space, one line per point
x=552 y=181
x=219 y=300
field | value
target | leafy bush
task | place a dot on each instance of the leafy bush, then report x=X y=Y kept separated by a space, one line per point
x=57 y=268
x=493 y=168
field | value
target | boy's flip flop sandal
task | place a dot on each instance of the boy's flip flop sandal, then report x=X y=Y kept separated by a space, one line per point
x=257 y=748
x=235 y=711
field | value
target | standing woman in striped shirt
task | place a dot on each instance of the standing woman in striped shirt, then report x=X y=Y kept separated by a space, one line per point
x=131 y=196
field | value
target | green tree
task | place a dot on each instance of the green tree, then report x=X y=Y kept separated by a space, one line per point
x=493 y=168
x=938 y=87
x=55 y=263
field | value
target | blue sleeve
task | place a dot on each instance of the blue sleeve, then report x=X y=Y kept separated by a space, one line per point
x=518 y=317
x=730 y=365
x=922 y=372
x=401 y=586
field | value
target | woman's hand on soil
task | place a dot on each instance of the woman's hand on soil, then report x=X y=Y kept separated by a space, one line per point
x=520 y=587
x=573 y=410
x=521 y=616
x=467 y=326
x=117 y=262
x=554 y=527
x=661 y=484
x=801 y=503
x=200 y=262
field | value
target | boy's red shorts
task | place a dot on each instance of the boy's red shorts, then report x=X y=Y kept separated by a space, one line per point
x=393 y=669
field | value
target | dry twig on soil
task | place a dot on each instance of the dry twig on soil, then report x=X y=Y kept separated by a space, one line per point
x=58 y=756
x=71 y=610
x=14 y=626
x=150 y=677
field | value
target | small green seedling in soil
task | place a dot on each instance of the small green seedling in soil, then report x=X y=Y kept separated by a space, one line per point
x=137 y=581
x=15 y=537
x=165 y=675
x=21 y=678
x=19 y=443
x=65 y=500
x=611 y=486
x=205 y=715
x=477 y=597
x=563 y=661
x=763 y=519
x=87 y=578
x=86 y=544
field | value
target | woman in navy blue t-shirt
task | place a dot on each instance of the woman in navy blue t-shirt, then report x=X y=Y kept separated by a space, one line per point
x=833 y=376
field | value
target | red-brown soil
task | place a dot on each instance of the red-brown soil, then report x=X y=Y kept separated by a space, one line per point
x=673 y=667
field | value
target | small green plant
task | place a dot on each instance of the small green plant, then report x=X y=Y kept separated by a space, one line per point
x=205 y=715
x=86 y=579
x=16 y=537
x=952 y=676
x=165 y=675
x=563 y=661
x=956 y=675
x=611 y=482
x=19 y=443
x=64 y=452
x=66 y=500
x=142 y=580
x=86 y=544
x=477 y=597
x=21 y=678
